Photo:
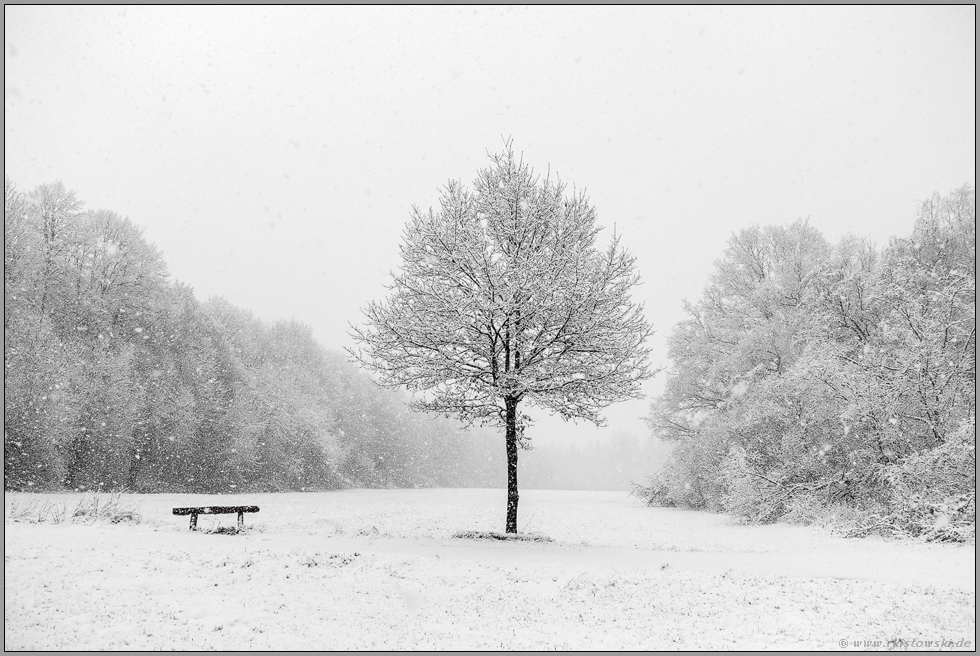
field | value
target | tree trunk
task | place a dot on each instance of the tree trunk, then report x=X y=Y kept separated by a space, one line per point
x=512 y=497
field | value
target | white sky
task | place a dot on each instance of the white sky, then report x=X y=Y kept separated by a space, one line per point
x=274 y=154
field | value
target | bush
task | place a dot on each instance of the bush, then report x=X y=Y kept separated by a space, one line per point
x=929 y=496
x=688 y=479
x=112 y=509
x=751 y=496
x=932 y=495
x=655 y=493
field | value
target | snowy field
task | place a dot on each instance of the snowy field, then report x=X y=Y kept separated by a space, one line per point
x=379 y=569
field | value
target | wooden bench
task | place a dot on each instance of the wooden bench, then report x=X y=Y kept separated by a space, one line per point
x=216 y=510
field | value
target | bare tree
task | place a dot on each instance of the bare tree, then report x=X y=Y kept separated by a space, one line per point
x=503 y=297
x=54 y=209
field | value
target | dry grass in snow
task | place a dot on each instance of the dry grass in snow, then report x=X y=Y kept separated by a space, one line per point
x=379 y=569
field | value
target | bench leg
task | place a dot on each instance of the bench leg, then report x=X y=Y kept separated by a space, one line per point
x=241 y=520
x=193 y=521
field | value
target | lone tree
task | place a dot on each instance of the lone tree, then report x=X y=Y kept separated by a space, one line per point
x=503 y=297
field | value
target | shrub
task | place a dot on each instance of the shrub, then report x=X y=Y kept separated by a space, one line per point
x=932 y=495
x=654 y=493
x=89 y=508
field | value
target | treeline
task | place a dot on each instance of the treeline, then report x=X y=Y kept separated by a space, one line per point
x=831 y=383
x=612 y=464
x=116 y=377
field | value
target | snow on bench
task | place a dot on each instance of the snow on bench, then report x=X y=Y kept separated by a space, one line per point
x=216 y=510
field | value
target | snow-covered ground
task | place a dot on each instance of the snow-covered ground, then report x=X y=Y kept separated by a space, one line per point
x=378 y=569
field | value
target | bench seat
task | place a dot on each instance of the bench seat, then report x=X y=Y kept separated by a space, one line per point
x=216 y=510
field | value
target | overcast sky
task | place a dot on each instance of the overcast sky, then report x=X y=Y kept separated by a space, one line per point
x=274 y=154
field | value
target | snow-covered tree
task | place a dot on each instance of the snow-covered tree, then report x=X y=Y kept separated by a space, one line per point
x=503 y=298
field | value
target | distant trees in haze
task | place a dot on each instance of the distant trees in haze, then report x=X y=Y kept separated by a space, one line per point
x=116 y=377
x=814 y=379
x=611 y=463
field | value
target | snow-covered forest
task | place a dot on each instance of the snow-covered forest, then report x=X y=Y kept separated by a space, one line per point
x=117 y=378
x=815 y=382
